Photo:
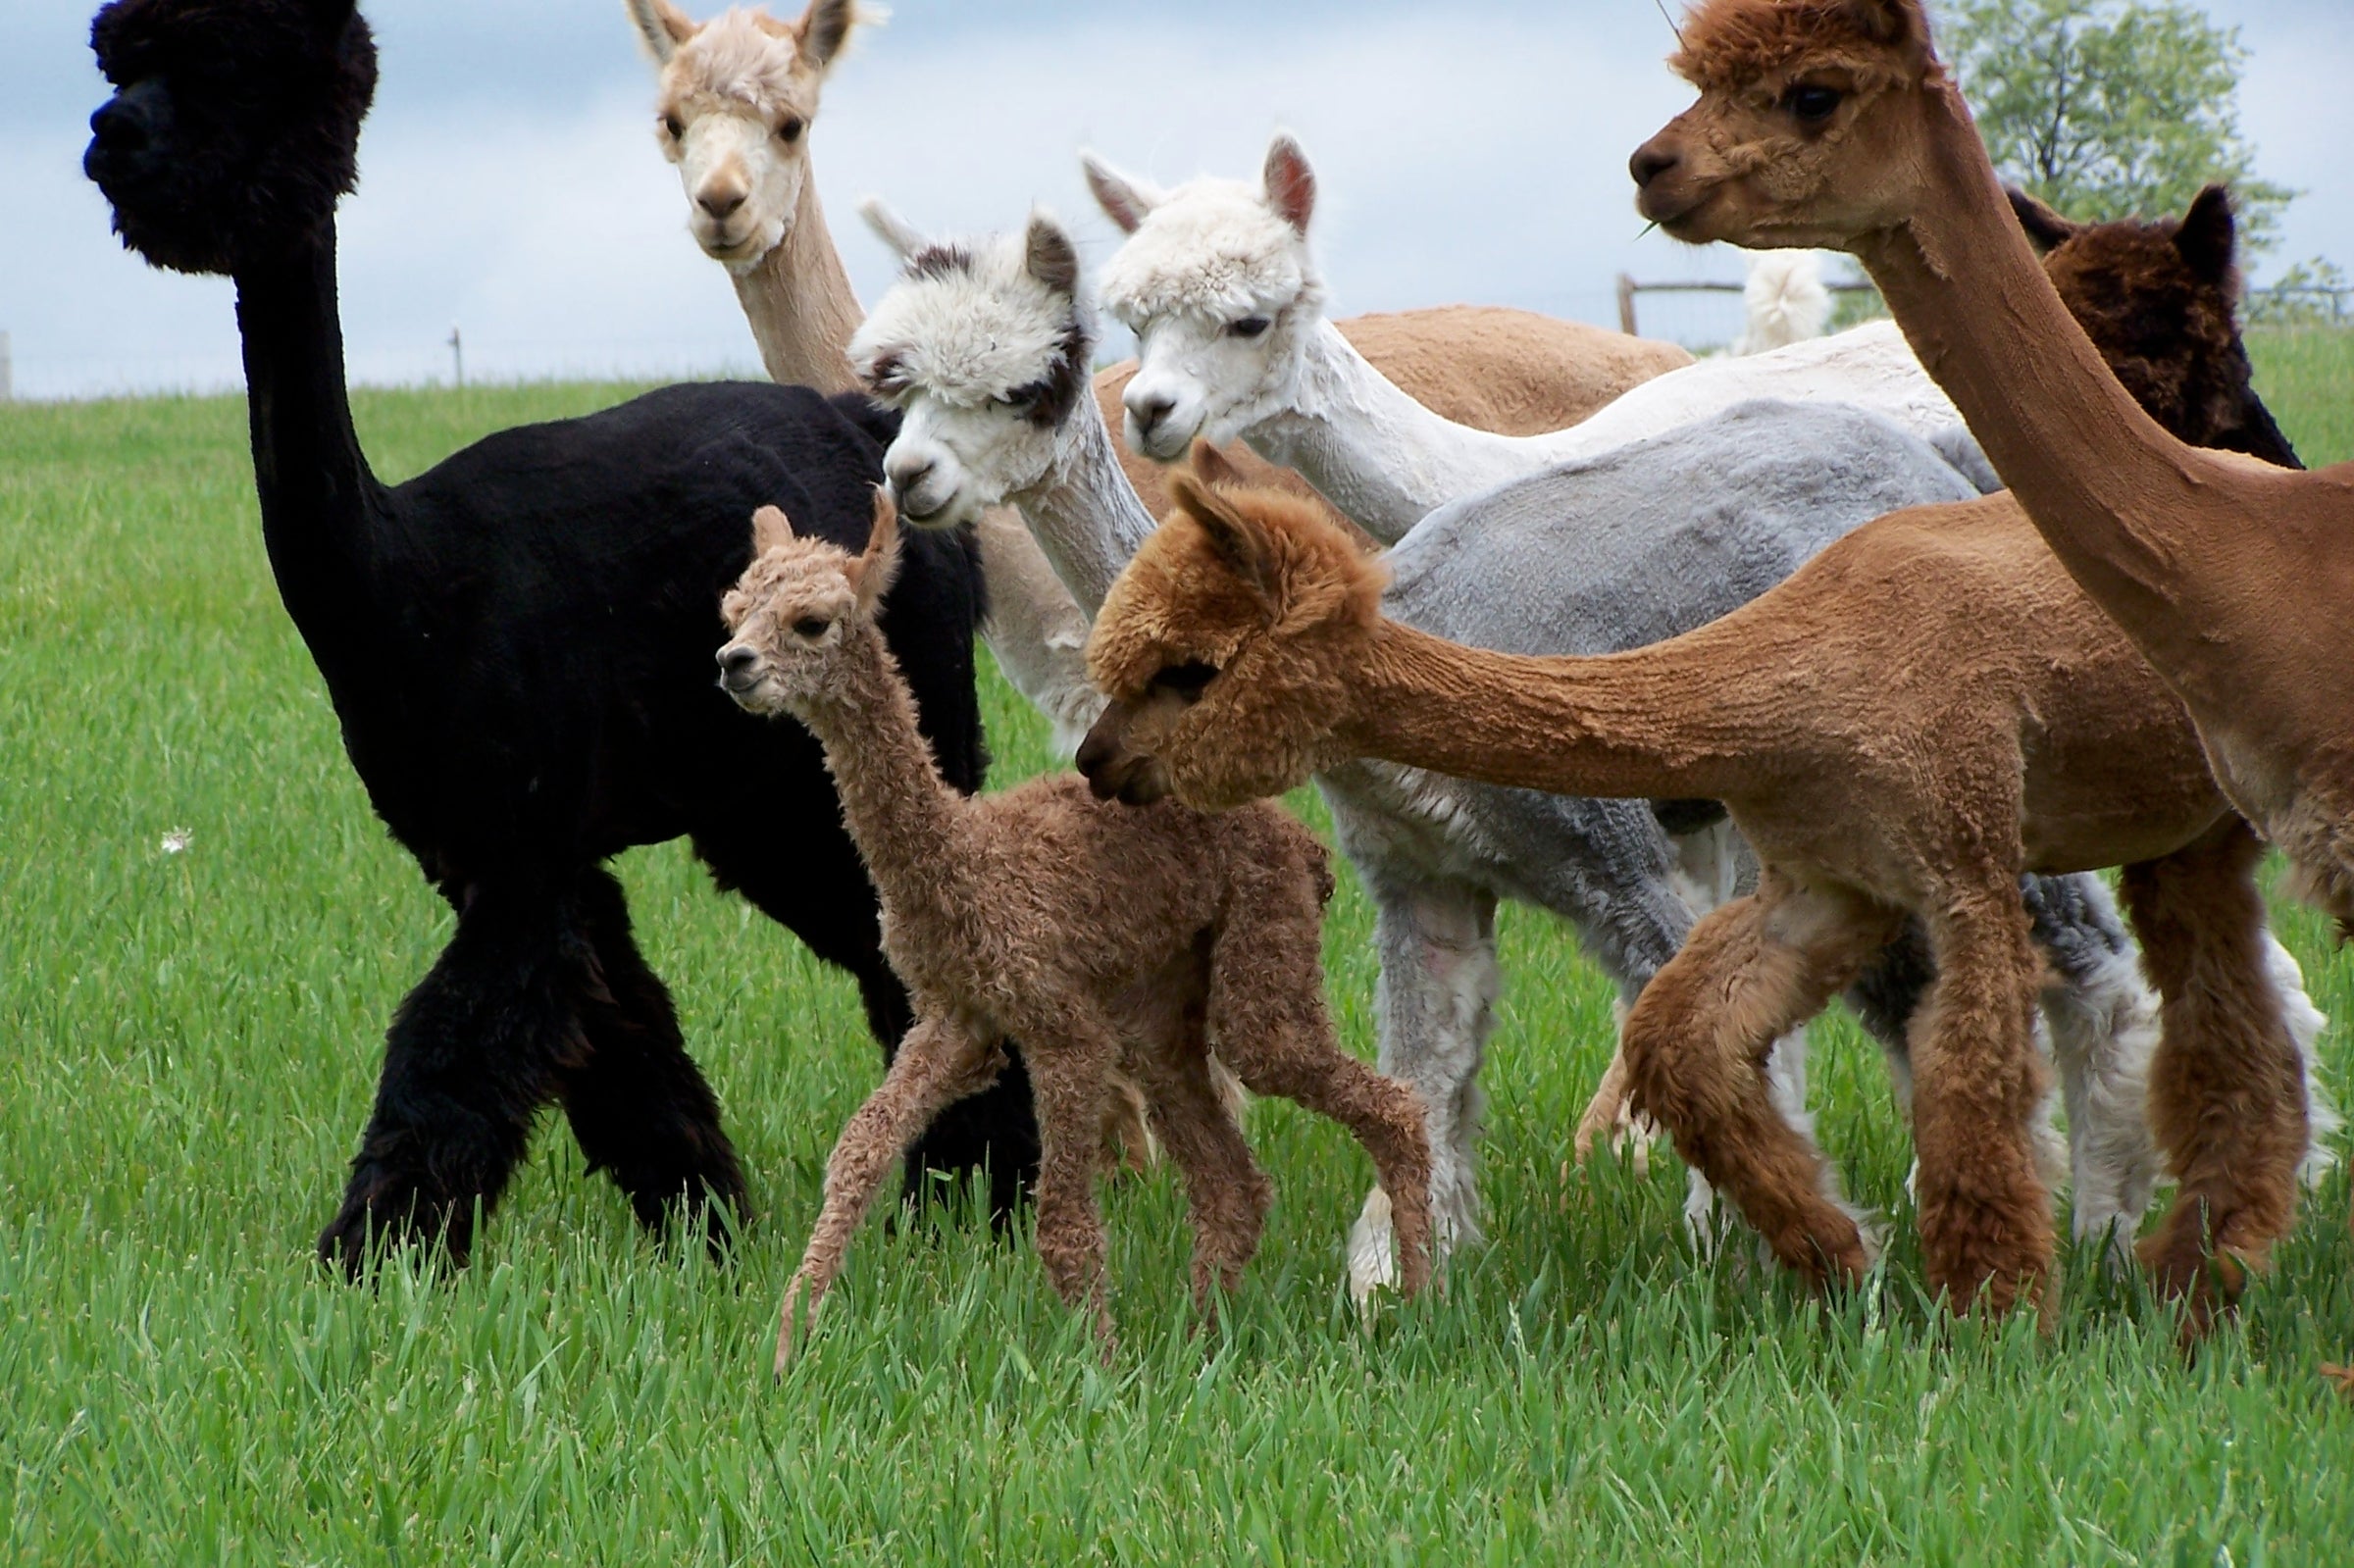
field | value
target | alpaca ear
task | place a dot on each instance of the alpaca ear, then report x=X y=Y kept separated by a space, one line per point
x=890 y=229
x=1049 y=256
x=332 y=16
x=1214 y=467
x=661 y=27
x=824 y=28
x=1233 y=538
x=2208 y=236
x=1126 y=201
x=1291 y=184
x=1895 y=23
x=873 y=572
x=2046 y=230
x=770 y=529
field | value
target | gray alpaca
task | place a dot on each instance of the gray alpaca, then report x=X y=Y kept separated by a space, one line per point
x=1611 y=552
x=1615 y=552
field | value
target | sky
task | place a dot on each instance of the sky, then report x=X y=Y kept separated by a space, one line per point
x=1470 y=150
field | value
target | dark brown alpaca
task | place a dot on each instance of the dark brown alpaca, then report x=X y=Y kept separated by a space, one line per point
x=1116 y=943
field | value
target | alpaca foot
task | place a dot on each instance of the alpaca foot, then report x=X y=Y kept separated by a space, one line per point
x=788 y=1316
x=2206 y=1285
x=384 y=1210
x=1611 y=1116
x=1374 y=1264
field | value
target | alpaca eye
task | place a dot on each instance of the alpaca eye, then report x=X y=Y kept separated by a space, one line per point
x=791 y=129
x=811 y=626
x=1248 y=326
x=674 y=127
x=1022 y=399
x=1811 y=105
x=1186 y=682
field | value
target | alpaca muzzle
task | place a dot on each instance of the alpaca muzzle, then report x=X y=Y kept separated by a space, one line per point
x=1113 y=771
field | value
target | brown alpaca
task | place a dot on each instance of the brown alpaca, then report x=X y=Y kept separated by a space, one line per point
x=1927 y=709
x=1833 y=122
x=1107 y=941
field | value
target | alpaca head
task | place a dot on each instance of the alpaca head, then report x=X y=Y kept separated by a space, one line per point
x=797 y=607
x=1226 y=646
x=1217 y=281
x=233 y=130
x=2160 y=301
x=983 y=347
x=736 y=98
x=1809 y=127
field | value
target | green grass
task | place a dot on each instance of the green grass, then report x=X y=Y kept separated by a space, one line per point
x=188 y=1042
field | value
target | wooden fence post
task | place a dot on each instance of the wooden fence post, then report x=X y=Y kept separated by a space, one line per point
x=1626 y=304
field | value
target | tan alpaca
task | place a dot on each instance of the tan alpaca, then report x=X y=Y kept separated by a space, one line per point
x=1833 y=122
x=1925 y=711
x=1106 y=941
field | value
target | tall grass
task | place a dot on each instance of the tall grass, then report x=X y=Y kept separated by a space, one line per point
x=188 y=1041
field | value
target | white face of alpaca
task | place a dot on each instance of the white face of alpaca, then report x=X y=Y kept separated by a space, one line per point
x=1218 y=284
x=737 y=96
x=982 y=346
x=743 y=179
x=954 y=460
x=1212 y=375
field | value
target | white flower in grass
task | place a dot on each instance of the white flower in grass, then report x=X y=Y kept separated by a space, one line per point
x=176 y=840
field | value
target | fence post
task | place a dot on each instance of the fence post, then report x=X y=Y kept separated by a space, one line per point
x=1626 y=304
x=457 y=358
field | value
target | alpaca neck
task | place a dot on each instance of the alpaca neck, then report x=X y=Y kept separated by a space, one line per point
x=1673 y=721
x=2130 y=511
x=1374 y=452
x=900 y=811
x=316 y=492
x=1083 y=513
x=800 y=305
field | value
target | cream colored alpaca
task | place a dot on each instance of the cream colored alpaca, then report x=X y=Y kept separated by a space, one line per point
x=1833 y=122
x=1108 y=942
x=1922 y=712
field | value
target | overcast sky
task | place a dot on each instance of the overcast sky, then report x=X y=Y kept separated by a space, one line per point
x=1468 y=150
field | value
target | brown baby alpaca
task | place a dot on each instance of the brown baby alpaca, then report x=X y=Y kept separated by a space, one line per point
x=1110 y=941
x=1832 y=123
x=1925 y=711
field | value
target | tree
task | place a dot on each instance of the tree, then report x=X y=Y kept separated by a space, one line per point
x=2112 y=107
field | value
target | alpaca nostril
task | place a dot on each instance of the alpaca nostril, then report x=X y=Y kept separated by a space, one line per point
x=736 y=661
x=116 y=128
x=721 y=203
x=1650 y=162
x=904 y=481
x=1151 y=411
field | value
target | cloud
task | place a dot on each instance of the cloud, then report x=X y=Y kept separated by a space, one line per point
x=510 y=185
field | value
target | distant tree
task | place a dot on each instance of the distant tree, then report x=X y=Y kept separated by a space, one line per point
x=2112 y=107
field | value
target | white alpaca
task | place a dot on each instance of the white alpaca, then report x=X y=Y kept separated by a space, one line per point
x=1223 y=292
x=1783 y=299
x=981 y=345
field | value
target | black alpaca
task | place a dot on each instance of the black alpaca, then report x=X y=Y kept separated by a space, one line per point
x=518 y=645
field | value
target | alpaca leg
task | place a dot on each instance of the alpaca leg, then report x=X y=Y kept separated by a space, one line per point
x=2103 y=1019
x=1072 y=1058
x=803 y=883
x=1978 y=1083
x=1266 y=1010
x=473 y=1053
x=936 y=1064
x=1697 y=1043
x=640 y=1108
x=1225 y=1190
x=2227 y=1087
x=1438 y=983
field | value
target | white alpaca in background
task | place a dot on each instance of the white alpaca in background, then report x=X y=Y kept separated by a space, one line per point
x=1224 y=292
x=1784 y=300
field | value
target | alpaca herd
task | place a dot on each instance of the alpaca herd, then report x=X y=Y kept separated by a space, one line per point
x=1841 y=666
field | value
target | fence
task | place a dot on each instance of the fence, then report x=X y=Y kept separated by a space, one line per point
x=1628 y=289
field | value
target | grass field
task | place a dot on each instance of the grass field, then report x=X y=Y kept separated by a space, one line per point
x=188 y=1042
